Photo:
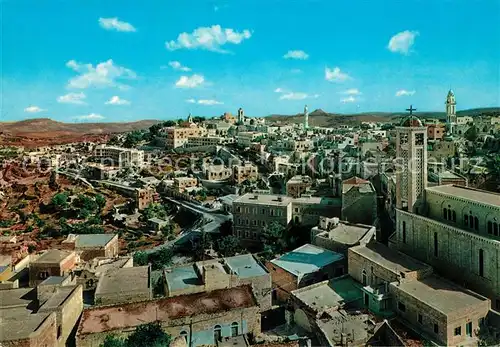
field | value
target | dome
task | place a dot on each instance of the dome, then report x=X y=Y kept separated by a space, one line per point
x=411 y=121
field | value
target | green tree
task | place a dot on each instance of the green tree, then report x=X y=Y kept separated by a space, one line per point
x=226 y=228
x=273 y=237
x=161 y=258
x=140 y=258
x=60 y=200
x=113 y=341
x=146 y=335
x=155 y=210
x=168 y=229
x=100 y=201
x=228 y=246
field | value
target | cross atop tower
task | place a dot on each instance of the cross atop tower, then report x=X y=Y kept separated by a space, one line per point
x=411 y=109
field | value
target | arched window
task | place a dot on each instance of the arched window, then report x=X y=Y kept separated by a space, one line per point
x=466 y=220
x=490 y=227
x=476 y=223
x=364 y=277
x=445 y=213
x=495 y=229
x=471 y=221
x=234 y=329
x=217 y=333
x=449 y=212
x=454 y=216
x=404 y=232
x=184 y=334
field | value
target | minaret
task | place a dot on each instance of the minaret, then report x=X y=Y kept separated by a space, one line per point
x=306 y=117
x=241 y=116
x=411 y=155
x=190 y=118
x=451 y=112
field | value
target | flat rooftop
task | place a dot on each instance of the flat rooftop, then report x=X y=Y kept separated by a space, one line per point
x=52 y=256
x=363 y=185
x=93 y=240
x=182 y=277
x=15 y=328
x=306 y=259
x=442 y=295
x=109 y=318
x=476 y=195
x=264 y=199
x=329 y=294
x=16 y=298
x=347 y=233
x=57 y=298
x=245 y=266
x=125 y=280
x=388 y=258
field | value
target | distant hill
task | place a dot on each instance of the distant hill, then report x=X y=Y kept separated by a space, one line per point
x=39 y=132
x=45 y=127
x=326 y=119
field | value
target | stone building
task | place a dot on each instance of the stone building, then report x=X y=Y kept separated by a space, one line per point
x=179 y=136
x=393 y=282
x=298 y=185
x=245 y=172
x=53 y=262
x=339 y=236
x=201 y=318
x=90 y=246
x=88 y=273
x=252 y=212
x=118 y=156
x=359 y=195
x=44 y=316
x=441 y=150
x=307 y=210
x=181 y=183
x=303 y=266
x=220 y=274
x=126 y=284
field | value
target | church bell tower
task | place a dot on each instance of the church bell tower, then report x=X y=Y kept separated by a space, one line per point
x=411 y=154
x=451 y=112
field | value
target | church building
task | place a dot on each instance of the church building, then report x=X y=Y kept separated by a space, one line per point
x=453 y=228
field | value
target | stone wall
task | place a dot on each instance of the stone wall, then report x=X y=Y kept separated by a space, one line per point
x=358 y=207
x=283 y=281
x=457 y=253
x=445 y=324
x=45 y=335
x=70 y=310
x=199 y=329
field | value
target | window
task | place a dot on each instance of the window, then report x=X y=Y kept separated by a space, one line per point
x=449 y=212
x=454 y=216
x=466 y=220
x=436 y=329
x=495 y=229
x=364 y=277
x=435 y=244
x=471 y=221
x=217 y=333
x=404 y=232
x=468 y=329
x=420 y=318
x=490 y=227
x=458 y=331
x=497 y=304
x=481 y=263
x=59 y=331
x=445 y=213
x=234 y=329
x=401 y=306
x=476 y=223
x=184 y=335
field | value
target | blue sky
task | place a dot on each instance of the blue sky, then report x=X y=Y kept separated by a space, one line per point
x=97 y=60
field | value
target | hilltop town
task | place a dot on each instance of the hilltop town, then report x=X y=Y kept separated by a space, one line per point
x=242 y=231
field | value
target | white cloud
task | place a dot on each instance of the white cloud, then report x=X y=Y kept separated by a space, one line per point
x=279 y=90
x=349 y=99
x=115 y=100
x=103 y=74
x=178 y=66
x=402 y=42
x=404 y=92
x=115 y=24
x=190 y=81
x=295 y=70
x=72 y=98
x=209 y=38
x=352 y=91
x=297 y=54
x=209 y=102
x=298 y=96
x=335 y=75
x=33 y=109
x=206 y=102
x=92 y=116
